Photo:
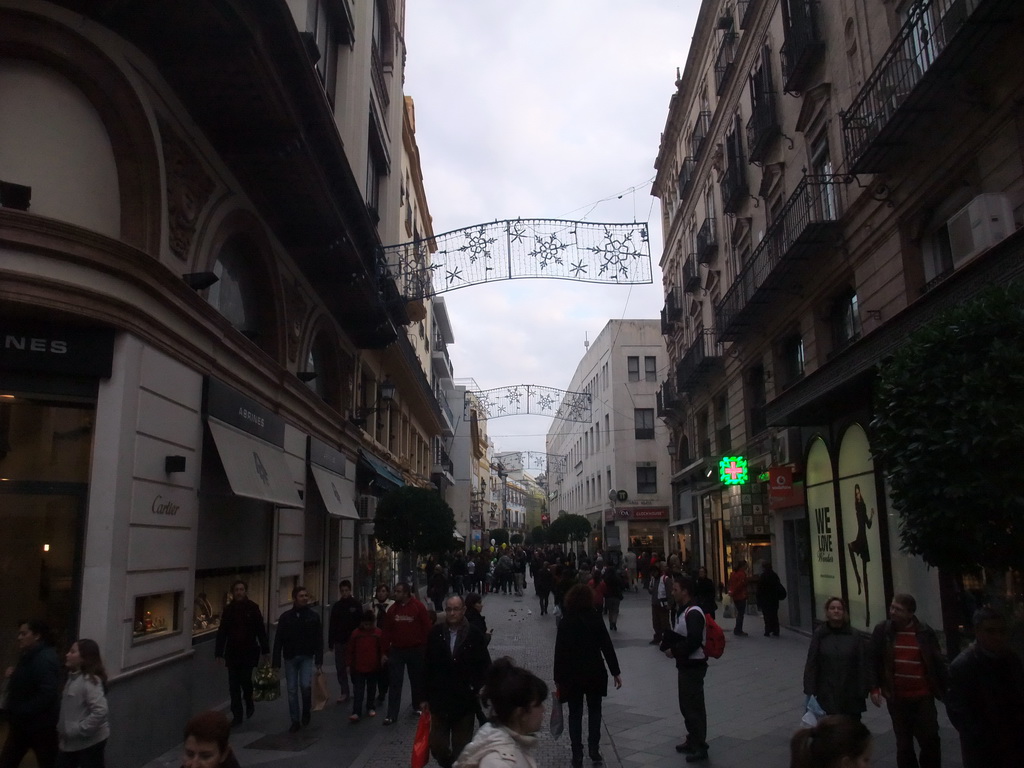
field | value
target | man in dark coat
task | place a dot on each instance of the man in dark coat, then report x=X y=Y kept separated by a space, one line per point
x=33 y=698
x=456 y=662
x=685 y=644
x=769 y=593
x=300 y=641
x=345 y=616
x=985 y=702
x=241 y=640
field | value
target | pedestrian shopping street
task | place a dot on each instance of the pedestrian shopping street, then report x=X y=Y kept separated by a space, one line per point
x=754 y=702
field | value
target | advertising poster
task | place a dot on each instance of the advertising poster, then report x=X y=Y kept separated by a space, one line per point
x=824 y=525
x=861 y=530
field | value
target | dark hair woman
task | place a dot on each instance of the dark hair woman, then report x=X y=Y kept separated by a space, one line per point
x=582 y=649
x=206 y=742
x=836 y=671
x=835 y=742
x=33 y=698
x=83 y=728
x=474 y=614
x=516 y=699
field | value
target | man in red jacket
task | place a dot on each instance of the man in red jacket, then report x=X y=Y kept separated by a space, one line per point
x=406 y=626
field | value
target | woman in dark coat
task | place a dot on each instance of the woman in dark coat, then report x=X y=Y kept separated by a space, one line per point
x=33 y=698
x=474 y=615
x=543 y=581
x=582 y=649
x=837 y=668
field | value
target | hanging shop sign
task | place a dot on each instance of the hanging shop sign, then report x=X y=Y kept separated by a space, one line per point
x=733 y=470
x=780 y=484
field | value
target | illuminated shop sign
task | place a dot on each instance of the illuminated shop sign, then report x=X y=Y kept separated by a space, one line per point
x=733 y=470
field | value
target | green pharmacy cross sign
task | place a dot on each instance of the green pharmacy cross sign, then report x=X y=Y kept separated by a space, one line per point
x=732 y=470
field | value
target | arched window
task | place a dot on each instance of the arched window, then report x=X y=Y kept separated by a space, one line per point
x=234 y=293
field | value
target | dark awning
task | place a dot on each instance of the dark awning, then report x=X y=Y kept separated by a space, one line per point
x=391 y=477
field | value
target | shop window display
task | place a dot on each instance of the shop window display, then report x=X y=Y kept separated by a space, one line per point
x=213 y=592
x=156 y=616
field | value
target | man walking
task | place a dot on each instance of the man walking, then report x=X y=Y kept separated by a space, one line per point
x=738 y=593
x=379 y=605
x=241 y=640
x=910 y=672
x=685 y=644
x=345 y=618
x=985 y=702
x=661 y=593
x=456 y=662
x=300 y=640
x=769 y=592
x=406 y=626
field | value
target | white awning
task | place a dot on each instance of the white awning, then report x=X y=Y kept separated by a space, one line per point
x=255 y=469
x=458 y=536
x=337 y=492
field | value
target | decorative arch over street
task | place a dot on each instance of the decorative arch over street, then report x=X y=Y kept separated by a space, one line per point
x=535 y=400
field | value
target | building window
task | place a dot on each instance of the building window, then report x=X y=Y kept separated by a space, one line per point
x=723 y=431
x=324 y=31
x=650 y=369
x=633 y=368
x=646 y=480
x=845 y=320
x=791 y=359
x=703 y=434
x=756 y=399
x=643 y=419
x=607 y=430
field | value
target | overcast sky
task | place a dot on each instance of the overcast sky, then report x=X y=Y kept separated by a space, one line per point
x=541 y=109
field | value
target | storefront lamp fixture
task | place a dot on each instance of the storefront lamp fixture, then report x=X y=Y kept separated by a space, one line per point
x=197 y=281
x=385 y=394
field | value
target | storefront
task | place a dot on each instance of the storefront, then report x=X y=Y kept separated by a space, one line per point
x=374 y=563
x=331 y=513
x=788 y=504
x=646 y=528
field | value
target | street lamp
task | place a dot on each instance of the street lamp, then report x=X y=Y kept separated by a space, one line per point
x=385 y=394
x=503 y=476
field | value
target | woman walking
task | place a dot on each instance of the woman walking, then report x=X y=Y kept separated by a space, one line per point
x=543 y=581
x=704 y=592
x=206 y=742
x=837 y=667
x=516 y=699
x=83 y=728
x=33 y=698
x=582 y=649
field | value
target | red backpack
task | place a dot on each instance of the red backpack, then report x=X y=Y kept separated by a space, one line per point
x=714 y=638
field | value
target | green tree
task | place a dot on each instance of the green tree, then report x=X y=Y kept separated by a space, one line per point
x=538 y=536
x=499 y=536
x=568 y=528
x=411 y=519
x=515 y=538
x=949 y=430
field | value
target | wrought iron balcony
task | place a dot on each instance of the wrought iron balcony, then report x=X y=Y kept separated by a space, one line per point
x=707 y=241
x=807 y=227
x=745 y=9
x=762 y=128
x=674 y=304
x=442 y=463
x=669 y=400
x=699 y=134
x=724 y=61
x=734 y=186
x=686 y=176
x=666 y=324
x=702 y=358
x=939 y=40
x=804 y=46
x=691 y=275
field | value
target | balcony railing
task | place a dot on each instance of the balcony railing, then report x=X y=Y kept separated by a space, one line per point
x=700 y=133
x=703 y=357
x=686 y=176
x=745 y=9
x=804 y=45
x=442 y=463
x=724 y=61
x=666 y=324
x=691 y=275
x=380 y=83
x=762 y=128
x=807 y=226
x=673 y=304
x=938 y=39
x=669 y=399
x=707 y=241
x=734 y=186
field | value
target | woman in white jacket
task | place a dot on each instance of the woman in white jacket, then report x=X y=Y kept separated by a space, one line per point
x=83 y=727
x=516 y=697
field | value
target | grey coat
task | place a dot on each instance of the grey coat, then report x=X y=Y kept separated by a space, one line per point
x=837 y=671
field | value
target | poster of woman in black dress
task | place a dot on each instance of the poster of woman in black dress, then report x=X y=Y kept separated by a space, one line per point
x=859 y=548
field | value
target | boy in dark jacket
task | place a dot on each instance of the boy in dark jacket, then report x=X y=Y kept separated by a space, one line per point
x=364 y=653
x=345 y=617
x=300 y=640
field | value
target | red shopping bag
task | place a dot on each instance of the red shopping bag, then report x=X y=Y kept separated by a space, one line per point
x=421 y=744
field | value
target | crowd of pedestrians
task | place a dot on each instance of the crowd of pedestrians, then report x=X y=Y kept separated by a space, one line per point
x=445 y=656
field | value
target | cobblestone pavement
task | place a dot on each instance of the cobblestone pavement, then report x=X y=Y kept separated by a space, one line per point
x=753 y=694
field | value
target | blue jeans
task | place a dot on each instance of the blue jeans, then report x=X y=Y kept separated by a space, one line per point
x=298 y=672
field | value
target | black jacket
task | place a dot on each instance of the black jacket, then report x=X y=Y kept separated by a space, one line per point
x=452 y=680
x=299 y=633
x=242 y=634
x=345 y=617
x=936 y=672
x=34 y=687
x=769 y=591
x=581 y=642
x=685 y=646
x=837 y=671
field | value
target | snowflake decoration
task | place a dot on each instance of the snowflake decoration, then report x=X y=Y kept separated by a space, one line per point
x=545 y=402
x=578 y=268
x=517 y=231
x=547 y=250
x=453 y=275
x=477 y=245
x=514 y=396
x=615 y=252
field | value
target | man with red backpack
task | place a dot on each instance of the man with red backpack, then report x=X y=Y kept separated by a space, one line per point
x=686 y=644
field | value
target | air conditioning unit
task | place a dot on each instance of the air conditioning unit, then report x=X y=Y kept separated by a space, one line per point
x=979 y=225
x=367 y=507
x=787 y=448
